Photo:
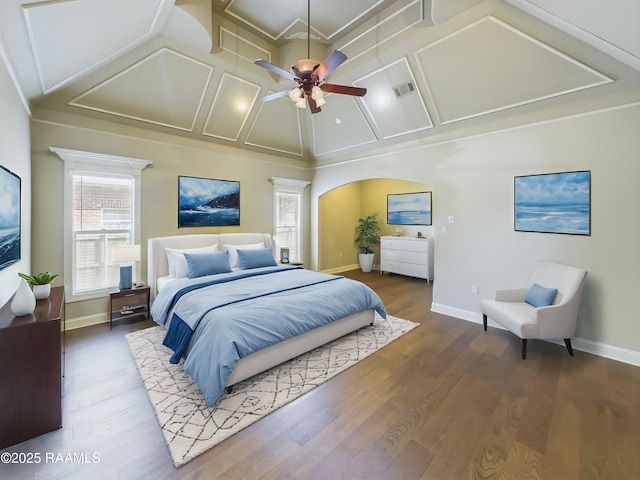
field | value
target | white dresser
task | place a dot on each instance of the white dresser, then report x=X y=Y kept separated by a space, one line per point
x=407 y=256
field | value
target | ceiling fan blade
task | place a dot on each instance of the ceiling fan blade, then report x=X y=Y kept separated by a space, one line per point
x=333 y=61
x=344 y=89
x=273 y=96
x=274 y=69
x=313 y=106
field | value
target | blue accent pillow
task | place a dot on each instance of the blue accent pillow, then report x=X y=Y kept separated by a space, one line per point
x=262 y=257
x=539 y=296
x=201 y=264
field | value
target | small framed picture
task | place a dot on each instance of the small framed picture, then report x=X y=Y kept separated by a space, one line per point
x=284 y=255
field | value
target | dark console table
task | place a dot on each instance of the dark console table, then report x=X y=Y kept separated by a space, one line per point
x=31 y=370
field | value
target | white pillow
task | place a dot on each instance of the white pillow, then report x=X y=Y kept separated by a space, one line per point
x=178 y=266
x=233 y=252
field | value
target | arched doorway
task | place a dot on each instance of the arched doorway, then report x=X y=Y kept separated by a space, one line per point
x=338 y=213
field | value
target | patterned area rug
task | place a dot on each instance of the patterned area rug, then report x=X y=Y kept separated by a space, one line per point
x=190 y=427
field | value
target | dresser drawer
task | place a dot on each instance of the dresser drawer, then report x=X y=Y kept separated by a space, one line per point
x=390 y=266
x=394 y=255
x=419 y=271
x=419 y=258
x=391 y=243
x=416 y=245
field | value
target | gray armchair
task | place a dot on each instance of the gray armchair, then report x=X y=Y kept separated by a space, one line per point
x=527 y=319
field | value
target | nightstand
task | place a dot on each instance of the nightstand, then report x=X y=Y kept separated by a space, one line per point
x=130 y=302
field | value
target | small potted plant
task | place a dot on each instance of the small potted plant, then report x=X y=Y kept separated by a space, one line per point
x=366 y=235
x=41 y=283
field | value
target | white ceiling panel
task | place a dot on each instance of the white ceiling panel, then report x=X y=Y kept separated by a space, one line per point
x=71 y=37
x=326 y=20
x=490 y=66
x=148 y=91
x=230 y=109
x=340 y=125
x=287 y=137
x=393 y=100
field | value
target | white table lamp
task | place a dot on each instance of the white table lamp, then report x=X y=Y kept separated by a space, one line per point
x=125 y=256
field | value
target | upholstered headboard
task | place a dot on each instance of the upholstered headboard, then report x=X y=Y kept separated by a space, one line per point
x=158 y=266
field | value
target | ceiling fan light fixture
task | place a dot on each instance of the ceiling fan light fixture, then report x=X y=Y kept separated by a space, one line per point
x=300 y=103
x=317 y=93
x=305 y=65
x=320 y=102
x=295 y=94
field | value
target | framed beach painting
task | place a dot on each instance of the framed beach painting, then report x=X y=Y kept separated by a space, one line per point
x=10 y=186
x=208 y=202
x=553 y=203
x=409 y=208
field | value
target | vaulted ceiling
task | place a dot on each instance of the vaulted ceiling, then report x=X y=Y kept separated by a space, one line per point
x=434 y=69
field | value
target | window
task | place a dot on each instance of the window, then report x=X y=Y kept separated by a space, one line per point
x=102 y=218
x=288 y=198
x=102 y=211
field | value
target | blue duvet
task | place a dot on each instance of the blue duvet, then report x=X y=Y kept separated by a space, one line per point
x=218 y=319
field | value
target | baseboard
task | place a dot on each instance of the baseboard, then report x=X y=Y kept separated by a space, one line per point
x=81 y=322
x=624 y=355
x=344 y=268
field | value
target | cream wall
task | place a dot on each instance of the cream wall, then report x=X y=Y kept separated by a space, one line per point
x=339 y=211
x=472 y=180
x=171 y=157
x=15 y=155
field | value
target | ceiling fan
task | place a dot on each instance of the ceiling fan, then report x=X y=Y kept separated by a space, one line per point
x=310 y=75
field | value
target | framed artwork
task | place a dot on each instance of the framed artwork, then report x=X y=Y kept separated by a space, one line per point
x=409 y=208
x=553 y=203
x=207 y=202
x=10 y=188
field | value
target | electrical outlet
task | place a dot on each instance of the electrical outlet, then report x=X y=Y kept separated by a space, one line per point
x=474 y=288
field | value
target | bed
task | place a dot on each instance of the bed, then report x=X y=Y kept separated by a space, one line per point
x=260 y=315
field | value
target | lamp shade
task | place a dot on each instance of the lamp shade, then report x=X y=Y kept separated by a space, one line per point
x=125 y=254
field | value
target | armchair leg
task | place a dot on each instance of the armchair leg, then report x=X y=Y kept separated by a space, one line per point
x=484 y=321
x=567 y=342
x=524 y=348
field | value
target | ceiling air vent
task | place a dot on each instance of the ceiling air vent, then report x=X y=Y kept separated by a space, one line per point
x=404 y=89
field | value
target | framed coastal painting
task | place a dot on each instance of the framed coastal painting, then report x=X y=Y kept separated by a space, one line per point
x=208 y=202
x=553 y=203
x=10 y=185
x=409 y=208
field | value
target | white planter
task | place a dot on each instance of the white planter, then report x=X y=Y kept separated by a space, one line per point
x=366 y=261
x=41 y=291
x=23 y=303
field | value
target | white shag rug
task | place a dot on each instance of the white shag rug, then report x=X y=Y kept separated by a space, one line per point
x=190 y=428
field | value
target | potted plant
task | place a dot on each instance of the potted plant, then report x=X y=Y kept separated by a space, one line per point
x=367 y=235
x=41 y=283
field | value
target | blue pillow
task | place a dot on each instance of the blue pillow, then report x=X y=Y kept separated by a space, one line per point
x=212 y=263
x=262 y=257
x=539 y=296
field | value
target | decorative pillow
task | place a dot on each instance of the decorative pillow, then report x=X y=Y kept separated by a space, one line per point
x=256 y=258
x=178 y=264
x=233 y=252
x=539 y=296
x=201 y=264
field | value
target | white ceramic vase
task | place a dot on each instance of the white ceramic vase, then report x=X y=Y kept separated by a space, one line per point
x=23 y=303
x=41 y=291
x=366 y=261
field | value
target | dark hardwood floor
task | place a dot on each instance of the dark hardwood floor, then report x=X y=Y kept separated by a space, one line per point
x=445 y=401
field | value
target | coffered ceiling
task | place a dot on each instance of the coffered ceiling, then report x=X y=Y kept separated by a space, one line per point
x=434 y=69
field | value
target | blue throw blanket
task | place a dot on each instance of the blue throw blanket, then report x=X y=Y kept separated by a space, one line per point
x=217 y=320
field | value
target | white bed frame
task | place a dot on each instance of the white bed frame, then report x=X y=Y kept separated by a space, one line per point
x=157 y=266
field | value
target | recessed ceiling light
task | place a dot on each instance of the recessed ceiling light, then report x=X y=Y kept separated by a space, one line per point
x=338 y=121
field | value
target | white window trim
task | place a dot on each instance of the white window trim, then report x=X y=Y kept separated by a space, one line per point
x=289 y=185
x=79 y=162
